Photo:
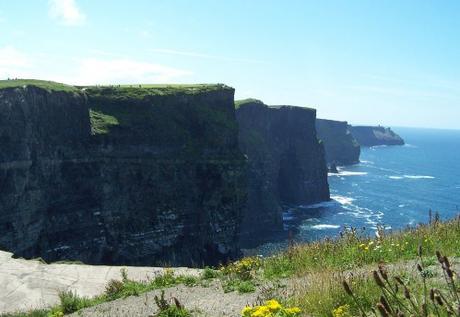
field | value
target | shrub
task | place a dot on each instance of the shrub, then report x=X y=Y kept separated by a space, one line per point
x=71 y=302
x=209 y=273
x=176 y=309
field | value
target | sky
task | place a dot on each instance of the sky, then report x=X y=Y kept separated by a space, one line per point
x=386 y=62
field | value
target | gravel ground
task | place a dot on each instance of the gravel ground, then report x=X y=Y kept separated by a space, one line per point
x=30 y=284
x=202 y=301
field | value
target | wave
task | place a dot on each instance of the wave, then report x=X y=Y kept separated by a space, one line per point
x=335 y=200
x=366 y=162
x=324 y=226
x=343 y=200
x=324 y=204
x=347 y=173
x=410 y=146
x=419 y=177
x=378 y=146
x=412 y=177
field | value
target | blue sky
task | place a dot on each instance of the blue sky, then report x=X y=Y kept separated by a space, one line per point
x=369 y=62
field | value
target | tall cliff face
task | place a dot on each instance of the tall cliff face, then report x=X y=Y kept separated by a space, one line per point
x=372 y=136
x=340 y=145
x=286 y=164
x=121 y=175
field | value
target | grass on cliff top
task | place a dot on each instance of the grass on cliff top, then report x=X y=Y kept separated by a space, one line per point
x=44 y=84
x=241 y=102
x=139 y=91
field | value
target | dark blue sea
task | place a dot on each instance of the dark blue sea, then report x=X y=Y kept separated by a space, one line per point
x=393 y=186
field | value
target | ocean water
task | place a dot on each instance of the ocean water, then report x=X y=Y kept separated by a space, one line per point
x=393 y=186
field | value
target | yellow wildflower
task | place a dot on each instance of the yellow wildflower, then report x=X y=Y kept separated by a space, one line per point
x=246 y=311
x=293 y=310
x=341 y=311
x=273 y=305
x=261 y=311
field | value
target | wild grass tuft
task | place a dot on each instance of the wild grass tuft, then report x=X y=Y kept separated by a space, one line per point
x=356 y=249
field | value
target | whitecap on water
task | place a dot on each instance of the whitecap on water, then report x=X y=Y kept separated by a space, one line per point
x=419 y=177
x=412 y=177
x=342 y=199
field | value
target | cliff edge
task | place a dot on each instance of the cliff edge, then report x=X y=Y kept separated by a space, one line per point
x=372 y=136
x=340 y=145
x=286 y=164
x=120 y=175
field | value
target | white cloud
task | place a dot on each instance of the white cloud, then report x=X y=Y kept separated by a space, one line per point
x=13 y=63
x=205 y=56
x=66 y=12
x=85 y=71
x=10 y=56
x=122 y=71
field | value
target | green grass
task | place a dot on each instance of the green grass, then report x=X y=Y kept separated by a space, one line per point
x=241 y=102
x=47 y=85
x=319 y=268
x=354 y=250
x=141 y=91
x=100 y=122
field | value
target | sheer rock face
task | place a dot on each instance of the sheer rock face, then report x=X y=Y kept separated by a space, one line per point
x=108 y=178
x=286 y=165
x=340 y=145
x=373 y=136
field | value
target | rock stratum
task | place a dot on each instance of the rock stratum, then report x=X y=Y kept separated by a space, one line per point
x=340 y=145
x=142 y=176
x=286 y=164
x=373 y=136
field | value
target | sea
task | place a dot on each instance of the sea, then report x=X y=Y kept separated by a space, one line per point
x=392 y=187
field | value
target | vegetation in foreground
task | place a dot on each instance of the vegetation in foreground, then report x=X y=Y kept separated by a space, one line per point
x=398 y=299
x=315 y=274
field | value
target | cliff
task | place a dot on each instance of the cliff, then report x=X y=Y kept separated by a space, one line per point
x=142 y=176
x=286 y=164
x=340 y=146
x=372 y=136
